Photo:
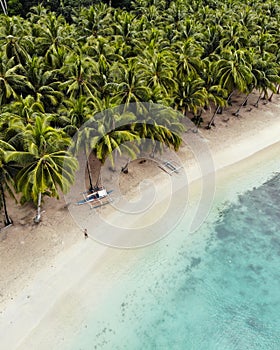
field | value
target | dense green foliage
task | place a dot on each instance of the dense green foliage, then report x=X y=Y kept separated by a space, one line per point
x=60 y=7
x=189 y=55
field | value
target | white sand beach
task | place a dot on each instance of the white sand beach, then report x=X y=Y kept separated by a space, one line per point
x=44 y=268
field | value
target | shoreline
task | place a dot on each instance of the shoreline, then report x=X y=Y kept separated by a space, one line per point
x=102 y=270
x=48 y=286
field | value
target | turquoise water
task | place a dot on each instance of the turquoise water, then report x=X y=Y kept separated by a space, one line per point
x=218 y=289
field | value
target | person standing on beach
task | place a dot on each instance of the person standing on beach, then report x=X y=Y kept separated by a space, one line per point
x=85 y=233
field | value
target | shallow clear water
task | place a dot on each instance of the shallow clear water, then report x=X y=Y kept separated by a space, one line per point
x=217 y=290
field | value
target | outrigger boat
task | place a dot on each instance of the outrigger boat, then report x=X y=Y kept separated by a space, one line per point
x=170 y=167
x=96 y=198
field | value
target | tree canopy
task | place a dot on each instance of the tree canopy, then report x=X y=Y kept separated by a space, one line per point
x=63 y=62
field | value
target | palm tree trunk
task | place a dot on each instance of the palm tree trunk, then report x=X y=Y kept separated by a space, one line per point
x=270 y=97
x=244 y=103
x=213 y=118
x=257 y=103
x=152 y=155
x=218 y=109
x=90 y=177
x=229 y=98
x=89 y=172
x=38 y=214
x=197 y=121
x=125 y=168
x=7 y=219
x=98 y=178
x=4 y=6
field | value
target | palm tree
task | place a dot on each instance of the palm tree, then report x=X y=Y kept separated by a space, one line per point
x=101 y=47
x=264 y=43
x=157 y=71
x=101 y=76
x=22 y=111
x=44 y=82
x=103 y=134
x=176 y=14
x=114 y=133
x=188 y=58
x=12 y=81
x=78 y=70
x=16 y=39
x=152 y=40
x=216 y=94
x=233 y=71
x=53 y=34
x=97 y=104
x=124 y=26
x=265 y=71
x=248 y=19
x=161 y=126
x=36 y=13
x=16 y=116
x=190 y=28
x=210 y=42
x=234 y=35
x=129 y=85
x=191 y=95
x=83 y=142
x=73 y=113
x=93 y=21
x=46 y=166
x=6 y=180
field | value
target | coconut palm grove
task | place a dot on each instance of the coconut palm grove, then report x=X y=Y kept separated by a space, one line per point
x=61 y=66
